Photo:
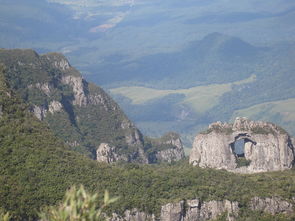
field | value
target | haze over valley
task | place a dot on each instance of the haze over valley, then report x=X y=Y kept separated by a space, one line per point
x=160 y=110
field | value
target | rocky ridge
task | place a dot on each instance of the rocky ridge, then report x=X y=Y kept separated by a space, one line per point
x=169 y=148
x=273 y=205
x=267 y=147
x=191 y=210
x=196 y=210
x=79 y=112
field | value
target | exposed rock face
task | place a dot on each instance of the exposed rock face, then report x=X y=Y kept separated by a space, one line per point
x=272 y=205
x=133 y=138
x=267 y=147
x=196 y=210
x=55 y=106
x=212 y=209
x=173 y=211
x=39 y=111
x=133 y=215
x=45 y=88
x=79 y=89
x=175 y=153
x=80 y=113
x=110 y=154
x=167 y=148
x=191 y=210
x=106 y=153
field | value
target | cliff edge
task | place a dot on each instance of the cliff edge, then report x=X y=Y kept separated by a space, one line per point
x=266 y=147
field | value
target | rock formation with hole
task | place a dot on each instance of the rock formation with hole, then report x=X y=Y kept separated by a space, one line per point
x=267 y=147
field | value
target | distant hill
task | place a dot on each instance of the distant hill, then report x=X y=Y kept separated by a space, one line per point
x=207 y=82
x=217 y=58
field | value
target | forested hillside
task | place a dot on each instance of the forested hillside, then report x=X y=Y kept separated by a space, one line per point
x=37 y=168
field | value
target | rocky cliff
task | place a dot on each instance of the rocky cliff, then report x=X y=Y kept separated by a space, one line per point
x=267 y=147
x=167 y=148
x=197 y=210
x=273 y=205
x=80 y=113
x=190 y=210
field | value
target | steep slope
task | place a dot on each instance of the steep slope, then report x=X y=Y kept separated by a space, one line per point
x=266 y=147
x=36 y=168
x=80 y=113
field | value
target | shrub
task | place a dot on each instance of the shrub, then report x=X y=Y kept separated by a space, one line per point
x=78 y=205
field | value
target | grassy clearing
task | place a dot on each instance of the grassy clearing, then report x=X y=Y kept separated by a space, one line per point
x=200 y=98
x=286 y=108
x=280 y=112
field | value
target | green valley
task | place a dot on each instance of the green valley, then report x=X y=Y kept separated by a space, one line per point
x=199 y=98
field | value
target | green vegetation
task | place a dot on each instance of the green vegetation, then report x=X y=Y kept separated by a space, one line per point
x=242 y=161
x=78 y=205
x=4 y=216
x=200 y=98
x=219 y=129
x=37 y=168
x=281 y=112
x=162 y=143
x=37 y=80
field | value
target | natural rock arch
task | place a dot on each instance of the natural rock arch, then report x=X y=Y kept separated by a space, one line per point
x=267 y=147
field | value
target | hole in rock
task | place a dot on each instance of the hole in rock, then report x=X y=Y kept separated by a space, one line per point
x=238 y=148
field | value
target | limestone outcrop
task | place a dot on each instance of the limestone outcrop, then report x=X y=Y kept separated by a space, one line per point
x=132 y=215
x=273 y=205
x=110 y=154
x=167 y=148
x=267 y=147
x=174 y=153
x=191 y=210
x=196 y=210
x=82 y=114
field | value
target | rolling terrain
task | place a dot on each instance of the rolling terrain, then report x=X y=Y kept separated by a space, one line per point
x=143 y=45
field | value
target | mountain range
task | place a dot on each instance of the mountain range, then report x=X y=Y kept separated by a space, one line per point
x=204 y=47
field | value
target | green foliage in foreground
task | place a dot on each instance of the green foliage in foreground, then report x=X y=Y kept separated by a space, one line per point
x=4 y=216
x=77 y=205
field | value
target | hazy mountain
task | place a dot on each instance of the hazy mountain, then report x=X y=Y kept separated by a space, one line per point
x=216 y=58
x=207 y=81
x=167 y=45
